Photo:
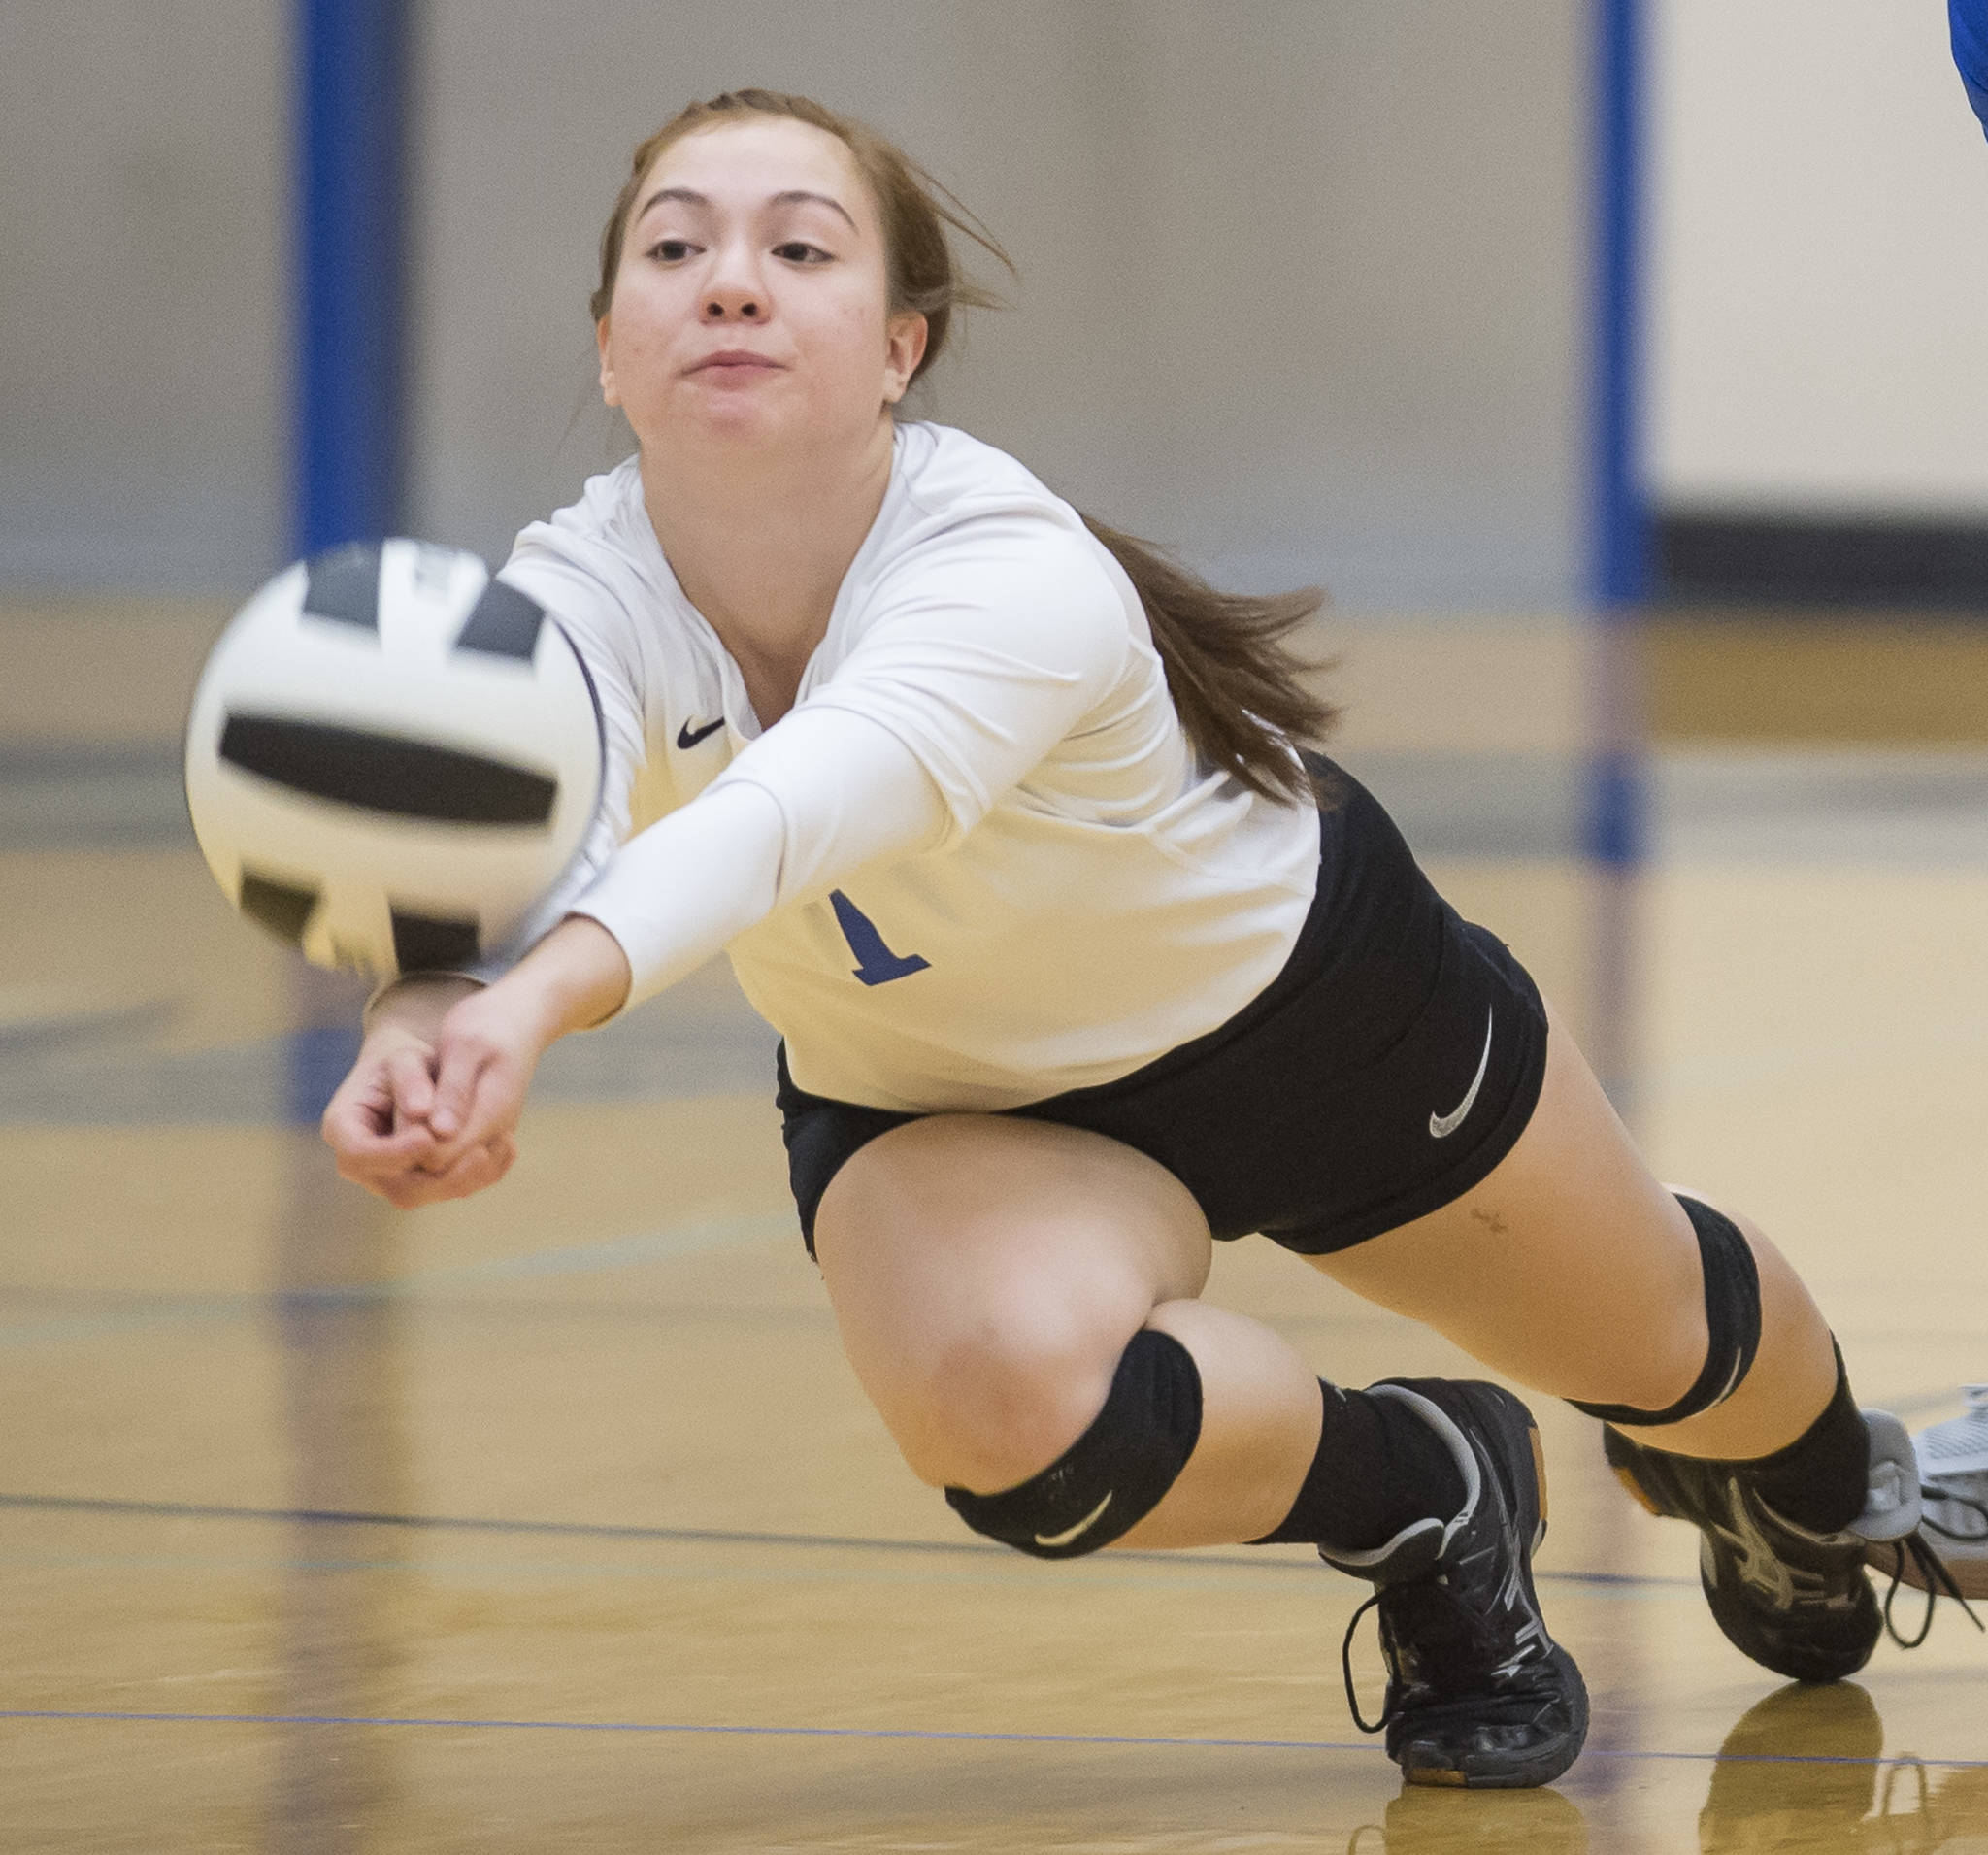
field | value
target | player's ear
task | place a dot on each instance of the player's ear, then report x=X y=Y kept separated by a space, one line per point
x=611 y=393
x=904 y=348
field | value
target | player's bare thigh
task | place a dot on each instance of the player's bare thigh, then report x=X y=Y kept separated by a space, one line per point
x=1572 y=1269
x=987 y=1274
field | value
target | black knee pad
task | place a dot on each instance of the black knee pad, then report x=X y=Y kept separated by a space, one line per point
x=1732 y=1318
x=1112 y=1475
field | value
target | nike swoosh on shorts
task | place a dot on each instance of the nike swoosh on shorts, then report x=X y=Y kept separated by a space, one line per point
x=1442 y=1126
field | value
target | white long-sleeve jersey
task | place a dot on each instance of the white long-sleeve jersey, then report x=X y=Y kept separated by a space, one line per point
x=977 y=864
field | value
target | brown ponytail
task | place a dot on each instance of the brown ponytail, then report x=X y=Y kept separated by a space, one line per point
x=1231 y=669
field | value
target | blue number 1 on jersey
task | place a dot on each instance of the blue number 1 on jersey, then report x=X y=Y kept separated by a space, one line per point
x=876 y=963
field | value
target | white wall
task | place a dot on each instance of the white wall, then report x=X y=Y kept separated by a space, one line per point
x=1819 y=274
x=143 y=316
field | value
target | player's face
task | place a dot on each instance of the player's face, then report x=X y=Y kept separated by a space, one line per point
x=752 y=301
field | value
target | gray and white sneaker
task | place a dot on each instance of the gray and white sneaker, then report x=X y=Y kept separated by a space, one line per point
x=1953 y=1485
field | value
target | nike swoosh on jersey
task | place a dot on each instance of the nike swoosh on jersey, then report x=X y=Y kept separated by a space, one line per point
x=1084 y=1524
x=1442 y=1126
x=687 y=738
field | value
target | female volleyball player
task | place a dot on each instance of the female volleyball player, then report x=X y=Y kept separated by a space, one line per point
x=1079 y=965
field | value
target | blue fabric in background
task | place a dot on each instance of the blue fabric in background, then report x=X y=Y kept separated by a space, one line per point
x=1968 y=19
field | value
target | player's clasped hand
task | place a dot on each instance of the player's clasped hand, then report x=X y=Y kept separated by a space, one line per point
x=429 y=1111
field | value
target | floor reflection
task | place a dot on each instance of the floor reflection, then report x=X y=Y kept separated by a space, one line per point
x=1917 y=1810
x=1477 y=1823
x=1805 y=1770
x=343 y=1415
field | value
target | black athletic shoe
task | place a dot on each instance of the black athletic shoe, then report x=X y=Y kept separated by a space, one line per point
x=1478 y=1693
x=1795 y=1602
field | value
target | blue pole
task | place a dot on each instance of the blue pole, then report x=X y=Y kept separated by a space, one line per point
x=1619 y=543
x=1618 y=513
x=350 y=104
x=1618 y=555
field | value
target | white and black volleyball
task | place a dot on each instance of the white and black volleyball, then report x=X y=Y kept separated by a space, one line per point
x=392 y=757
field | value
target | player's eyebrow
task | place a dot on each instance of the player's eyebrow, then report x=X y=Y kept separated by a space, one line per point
x=683 y=193
x=793 y=196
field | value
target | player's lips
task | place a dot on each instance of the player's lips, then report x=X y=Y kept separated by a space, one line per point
x=737 y=360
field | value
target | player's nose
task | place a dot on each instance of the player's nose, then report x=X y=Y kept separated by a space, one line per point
x=735 y=291
x=726 y=306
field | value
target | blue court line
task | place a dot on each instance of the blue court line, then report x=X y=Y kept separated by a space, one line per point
x=696 y=1535
x=916 y=1733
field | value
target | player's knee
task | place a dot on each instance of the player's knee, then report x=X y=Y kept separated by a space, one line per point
x=1711 y=1345
x=1115 y=1473
x=1000 y=1403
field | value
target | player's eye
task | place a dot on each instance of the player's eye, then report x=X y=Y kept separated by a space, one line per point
x=795 y=251
x=670 y=250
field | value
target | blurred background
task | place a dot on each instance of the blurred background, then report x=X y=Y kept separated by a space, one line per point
x=1618 y=365
x=1306 y=289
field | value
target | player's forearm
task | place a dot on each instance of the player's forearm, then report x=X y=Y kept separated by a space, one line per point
x=676 y=893
x=576 y=977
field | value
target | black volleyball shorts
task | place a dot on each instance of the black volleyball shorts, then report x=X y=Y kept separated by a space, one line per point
x=1384 y=1072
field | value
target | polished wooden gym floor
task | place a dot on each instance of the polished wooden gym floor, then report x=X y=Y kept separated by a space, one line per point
x=554 y=1519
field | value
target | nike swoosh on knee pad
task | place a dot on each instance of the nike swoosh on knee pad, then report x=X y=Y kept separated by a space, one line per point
x=1084 y=1526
